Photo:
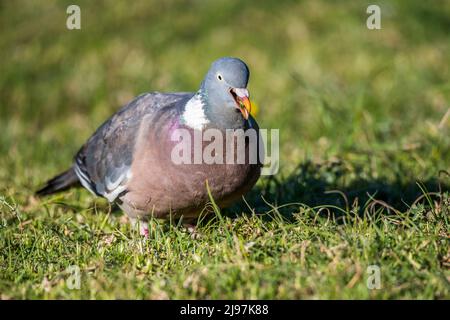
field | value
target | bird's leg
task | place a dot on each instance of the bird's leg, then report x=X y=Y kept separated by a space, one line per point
x=191 y=228
x=142 y=225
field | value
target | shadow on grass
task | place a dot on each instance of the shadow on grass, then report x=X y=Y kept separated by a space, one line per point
x=324 y=186
x=317 y=186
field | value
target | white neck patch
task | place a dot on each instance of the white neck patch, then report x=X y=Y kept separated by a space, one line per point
x=194 y=113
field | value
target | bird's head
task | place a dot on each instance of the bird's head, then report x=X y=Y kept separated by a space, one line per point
x=225 y=87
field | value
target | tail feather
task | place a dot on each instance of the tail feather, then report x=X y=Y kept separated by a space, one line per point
x=61 y=182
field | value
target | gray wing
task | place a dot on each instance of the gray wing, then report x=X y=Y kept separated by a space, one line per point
x=103 y=163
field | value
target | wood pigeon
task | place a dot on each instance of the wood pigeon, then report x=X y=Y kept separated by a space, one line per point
x=129 y=159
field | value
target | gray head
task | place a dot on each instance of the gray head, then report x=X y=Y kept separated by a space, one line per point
x=224 y=91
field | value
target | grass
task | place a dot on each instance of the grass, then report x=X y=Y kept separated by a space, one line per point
x=364 y=137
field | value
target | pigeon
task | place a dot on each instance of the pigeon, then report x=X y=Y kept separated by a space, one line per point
x=129 y=160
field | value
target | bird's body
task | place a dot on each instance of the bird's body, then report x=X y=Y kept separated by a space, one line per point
x=129 y=159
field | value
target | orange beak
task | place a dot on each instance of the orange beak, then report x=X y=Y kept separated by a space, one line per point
x=244 y=105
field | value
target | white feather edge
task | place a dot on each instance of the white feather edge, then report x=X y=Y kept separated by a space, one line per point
x=83 y=179
x=115 y=187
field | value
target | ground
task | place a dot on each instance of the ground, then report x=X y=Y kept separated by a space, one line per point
x=360 y=208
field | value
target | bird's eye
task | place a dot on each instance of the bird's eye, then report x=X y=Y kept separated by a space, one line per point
x=219 y=77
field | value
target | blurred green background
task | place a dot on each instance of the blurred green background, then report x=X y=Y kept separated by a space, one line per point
x=372 y=103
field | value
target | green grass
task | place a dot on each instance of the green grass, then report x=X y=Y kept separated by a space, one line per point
x=365 y=149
